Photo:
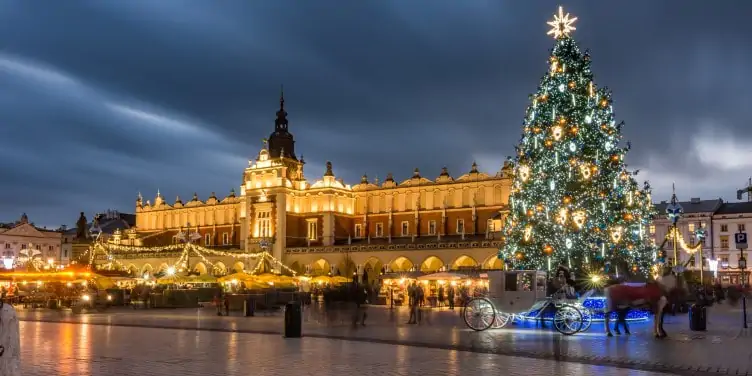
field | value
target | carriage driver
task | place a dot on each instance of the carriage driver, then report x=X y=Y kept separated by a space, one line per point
x=565 y=283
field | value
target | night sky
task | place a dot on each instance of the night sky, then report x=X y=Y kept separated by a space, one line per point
x=102 y=99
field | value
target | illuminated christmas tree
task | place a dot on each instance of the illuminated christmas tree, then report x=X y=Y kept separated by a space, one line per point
x=573 y=202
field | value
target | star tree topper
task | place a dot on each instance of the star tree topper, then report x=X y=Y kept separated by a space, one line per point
x=562 y=25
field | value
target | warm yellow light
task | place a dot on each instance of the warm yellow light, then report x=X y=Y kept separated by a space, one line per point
x=561 y=25
x=595 y=278
x=524 y=172
x=616 y=234
x=585 y=170
x=578 y=218
x=562 y=216
x=556 y=132
x=528 y=233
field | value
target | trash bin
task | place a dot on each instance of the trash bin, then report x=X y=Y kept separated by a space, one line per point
x=293 y=320
x=249 y=307
x=698 y=318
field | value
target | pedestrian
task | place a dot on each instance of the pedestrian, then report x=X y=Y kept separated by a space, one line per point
x=412 y=303
x=440 y=296
x=361 y=299
x=450 y=297
x=227 y=305
x=419 y=297
x=218 y=304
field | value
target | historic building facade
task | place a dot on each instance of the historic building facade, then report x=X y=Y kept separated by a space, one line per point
x=720 y=220
x=330 y=226
x=21 y=240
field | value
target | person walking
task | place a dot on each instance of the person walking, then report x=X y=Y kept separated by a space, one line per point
x=450 y=297
x=412 y=303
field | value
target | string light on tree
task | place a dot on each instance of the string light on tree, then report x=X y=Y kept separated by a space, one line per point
x=572 y=201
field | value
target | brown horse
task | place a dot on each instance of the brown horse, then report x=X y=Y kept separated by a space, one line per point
x=621 y=298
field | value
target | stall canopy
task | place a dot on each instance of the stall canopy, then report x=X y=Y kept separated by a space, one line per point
x=442 y=276
x=235 y=277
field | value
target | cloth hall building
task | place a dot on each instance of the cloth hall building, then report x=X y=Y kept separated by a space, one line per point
x=328 y=226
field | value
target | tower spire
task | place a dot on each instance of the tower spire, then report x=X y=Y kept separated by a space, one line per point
x=281 y=142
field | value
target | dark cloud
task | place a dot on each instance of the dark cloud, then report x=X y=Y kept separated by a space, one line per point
x=100 y=100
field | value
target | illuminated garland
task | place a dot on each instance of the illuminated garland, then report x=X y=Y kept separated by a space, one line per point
x=676 y=236
x=187 y=250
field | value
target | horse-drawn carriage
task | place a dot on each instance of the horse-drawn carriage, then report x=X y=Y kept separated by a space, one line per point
x=521 y=294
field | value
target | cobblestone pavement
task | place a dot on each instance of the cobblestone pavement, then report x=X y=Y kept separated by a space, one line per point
x=83 y=350
x=720 y=350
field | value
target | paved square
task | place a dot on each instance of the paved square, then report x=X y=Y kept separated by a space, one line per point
x=76 y=349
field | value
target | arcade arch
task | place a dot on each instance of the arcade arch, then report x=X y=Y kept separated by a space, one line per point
x=431 y=264
x=200 y=268
x=372 y=268
x=320 y=267
x=401 y=264
x=147 y=268
x=219 y=269
x=238 y=267
x=464 y=261
x=493 y=263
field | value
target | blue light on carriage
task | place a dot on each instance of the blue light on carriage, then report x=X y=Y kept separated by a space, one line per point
x=596 y=305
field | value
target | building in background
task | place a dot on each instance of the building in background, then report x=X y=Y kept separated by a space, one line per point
x=330 y=226
x=21 y=239
x=730 y=218
x=109 y=225
x=697 y=214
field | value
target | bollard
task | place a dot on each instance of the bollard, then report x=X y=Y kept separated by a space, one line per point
x=698 y=318
x=10 y=341
x=293 y=320
x=744 y=310
x=249 y=307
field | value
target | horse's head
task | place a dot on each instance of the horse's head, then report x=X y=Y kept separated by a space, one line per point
x=672 y=285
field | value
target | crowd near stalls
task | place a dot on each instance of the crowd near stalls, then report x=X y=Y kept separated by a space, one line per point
x=439 y=289
x=55 y=289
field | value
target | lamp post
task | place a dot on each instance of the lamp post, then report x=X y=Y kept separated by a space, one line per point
x=188 y=238
x=700 y=233
x=674 y=212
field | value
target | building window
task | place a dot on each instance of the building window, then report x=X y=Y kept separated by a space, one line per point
x=207 y=239
x=379 y=230
x=313 y=233
x=7 y=245
x=358 y=231
x=65 y=253
x=460 y=226
x=23 y=246
x=691 y=227
x=724 y=228
x=741 y=227
x=405 y=228
x=264 y=224
x=431 y=227
x=225 y=238
x=174 y=239
x=38 y=247
x=652 y=229
x=51 y=248
x=724 y=242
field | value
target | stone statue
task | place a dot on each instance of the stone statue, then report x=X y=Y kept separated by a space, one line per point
x=81 y=227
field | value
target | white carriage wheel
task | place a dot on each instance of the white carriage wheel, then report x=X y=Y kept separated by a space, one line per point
x=501 y=320
x=568 y=320
x=587 y=318
x=479 y=314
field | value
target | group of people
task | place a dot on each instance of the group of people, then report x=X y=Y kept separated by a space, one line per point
x=417 y=298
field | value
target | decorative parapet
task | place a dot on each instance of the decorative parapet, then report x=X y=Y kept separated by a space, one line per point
x=396 y=247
